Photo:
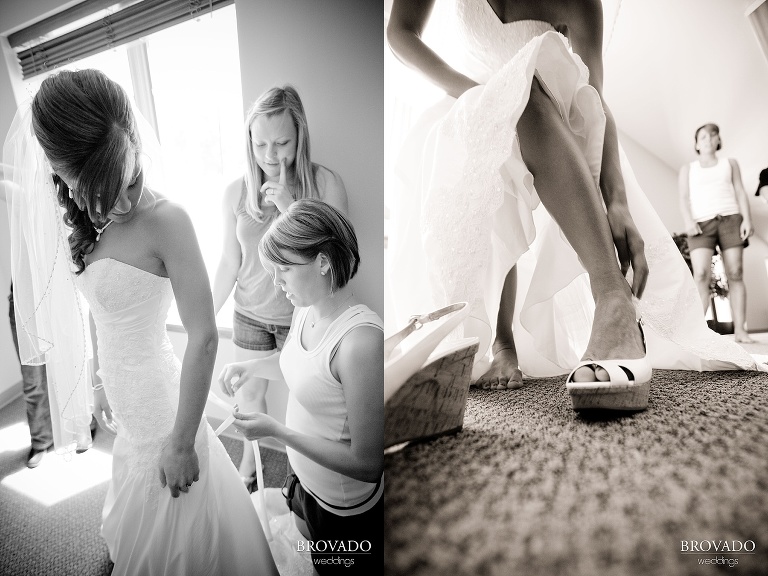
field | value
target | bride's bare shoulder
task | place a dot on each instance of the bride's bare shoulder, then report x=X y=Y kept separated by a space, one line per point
x=164 y=215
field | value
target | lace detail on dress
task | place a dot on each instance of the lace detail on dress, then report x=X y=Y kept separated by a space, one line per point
x=488 y=39
x=660 y=310
x=481 y=166
x=137 y=365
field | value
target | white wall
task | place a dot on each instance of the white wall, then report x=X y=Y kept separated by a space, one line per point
x=658 y=181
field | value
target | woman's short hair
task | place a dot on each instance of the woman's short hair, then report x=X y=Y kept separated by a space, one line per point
x=275 y=101
x=713 y=128
x=310 y=227
x=86 y=127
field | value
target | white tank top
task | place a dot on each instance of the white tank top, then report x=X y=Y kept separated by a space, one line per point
x=711 y=190
x=317 y=407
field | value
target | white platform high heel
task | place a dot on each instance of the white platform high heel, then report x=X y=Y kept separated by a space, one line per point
x=627 y=389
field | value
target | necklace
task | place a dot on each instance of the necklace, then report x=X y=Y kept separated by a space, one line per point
x=312 y=324
x=100 y=231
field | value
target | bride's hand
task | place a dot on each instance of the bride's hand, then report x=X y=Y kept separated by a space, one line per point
x=629 y=245
x=179 y=468
x=102 y=412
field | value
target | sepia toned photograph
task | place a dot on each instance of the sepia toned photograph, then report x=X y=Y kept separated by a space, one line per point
x=576 y=323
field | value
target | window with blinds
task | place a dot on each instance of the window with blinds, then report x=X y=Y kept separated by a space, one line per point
x=94 y=26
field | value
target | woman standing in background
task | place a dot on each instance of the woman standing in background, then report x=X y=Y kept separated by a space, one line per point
x=279 y=171
x=716 y=213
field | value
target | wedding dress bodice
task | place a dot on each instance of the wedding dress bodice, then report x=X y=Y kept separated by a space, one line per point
x=488 y=40
x=136 y=361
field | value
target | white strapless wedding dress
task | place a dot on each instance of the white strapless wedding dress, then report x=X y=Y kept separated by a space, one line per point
x=214 y=528
x=468 y=210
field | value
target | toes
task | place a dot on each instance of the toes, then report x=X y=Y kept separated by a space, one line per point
x=602 y=374
x=515 y=383
x=583 y=374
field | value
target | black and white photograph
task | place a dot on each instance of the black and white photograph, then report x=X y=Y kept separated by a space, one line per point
x=192 y=244
x=576 y=321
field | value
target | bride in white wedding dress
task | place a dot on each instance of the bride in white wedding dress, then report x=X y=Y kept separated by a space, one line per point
x=524 y=125
x=175 y=504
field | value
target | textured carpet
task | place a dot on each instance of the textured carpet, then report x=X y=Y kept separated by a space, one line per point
x=63 y=539
x=530 y=487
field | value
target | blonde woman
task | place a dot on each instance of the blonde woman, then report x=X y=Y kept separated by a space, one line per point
x=279 y=172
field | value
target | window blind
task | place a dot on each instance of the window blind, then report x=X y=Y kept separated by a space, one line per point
x=123 y=26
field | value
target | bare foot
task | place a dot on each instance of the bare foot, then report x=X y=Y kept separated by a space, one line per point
x=503 y=374
x=744 y=338
x=615 y=335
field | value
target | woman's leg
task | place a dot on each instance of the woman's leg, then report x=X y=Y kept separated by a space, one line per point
x=733 y=259
x=568 y=191
x=504 y=371
x=251 y=399
x=701 y=261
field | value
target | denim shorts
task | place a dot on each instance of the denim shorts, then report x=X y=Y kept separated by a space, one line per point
x=722 y=230
x=251 y=334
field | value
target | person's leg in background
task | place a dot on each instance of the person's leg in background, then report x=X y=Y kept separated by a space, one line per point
x=35 y=386
x=733 y=260
x=701 y=261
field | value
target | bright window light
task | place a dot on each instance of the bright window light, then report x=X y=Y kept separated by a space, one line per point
x=59 y=477
x=194 y=84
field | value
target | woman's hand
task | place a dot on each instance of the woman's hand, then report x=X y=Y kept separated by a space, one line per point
x=102 y=412
x=236 y=375
x=746 y=229
x=278 y=193
x=629 y=245
x=255 y=425
x=693 y=229
x=179 y=468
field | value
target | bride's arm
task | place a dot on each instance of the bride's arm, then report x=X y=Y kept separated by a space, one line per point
x=101 y=410
x=585 y=32
x=177 y=247
x=407 y=21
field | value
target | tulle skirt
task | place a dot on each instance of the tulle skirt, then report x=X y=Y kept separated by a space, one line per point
x=211 y=530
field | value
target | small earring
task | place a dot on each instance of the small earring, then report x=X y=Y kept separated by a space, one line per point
x=323 y=273
x=70 y=193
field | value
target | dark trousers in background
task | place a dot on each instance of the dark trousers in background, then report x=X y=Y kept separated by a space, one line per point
x=35 y=393
x=366 y=529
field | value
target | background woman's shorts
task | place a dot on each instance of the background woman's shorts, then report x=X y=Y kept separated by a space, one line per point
x=251 y=334
x=722 y=230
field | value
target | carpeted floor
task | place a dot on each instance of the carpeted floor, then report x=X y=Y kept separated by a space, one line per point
x=61 y=538
x=529 y=487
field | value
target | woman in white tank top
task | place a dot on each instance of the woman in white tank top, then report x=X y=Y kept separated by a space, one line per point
x=332 y=362
x=716 y=213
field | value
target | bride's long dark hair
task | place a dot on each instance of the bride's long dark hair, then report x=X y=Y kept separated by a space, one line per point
x=85 y=125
